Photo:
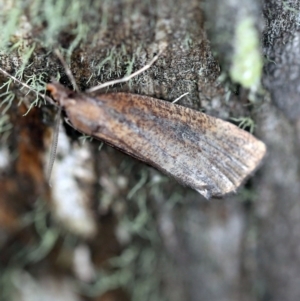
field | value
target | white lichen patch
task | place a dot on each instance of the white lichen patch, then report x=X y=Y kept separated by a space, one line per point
x=72 y=182
x=247 y=61
x=42 y=288
x=82 y=264
x=4 y=158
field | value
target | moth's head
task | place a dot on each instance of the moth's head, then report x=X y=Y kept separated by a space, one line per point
x=61 y=95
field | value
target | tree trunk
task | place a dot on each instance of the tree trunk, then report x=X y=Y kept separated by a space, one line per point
x=121 y=229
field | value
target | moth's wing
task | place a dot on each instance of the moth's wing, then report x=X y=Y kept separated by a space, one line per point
x=208 y=154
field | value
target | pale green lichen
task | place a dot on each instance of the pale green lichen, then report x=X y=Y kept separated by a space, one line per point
x=110 y=59
x=7 y=277
x=247 y=60
x=245 y=122
x=60 y=16
x=9 y=20
x=25 y=53
x=7 y=101
x=48 y=233
x=5 y=128
x=135 y=269
x=187 y=41
x=288 y=6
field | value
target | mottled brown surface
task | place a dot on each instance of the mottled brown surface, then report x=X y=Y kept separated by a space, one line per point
x=23 y=182
x=210 y=155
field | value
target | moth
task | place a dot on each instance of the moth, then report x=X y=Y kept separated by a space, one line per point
x=210 y=155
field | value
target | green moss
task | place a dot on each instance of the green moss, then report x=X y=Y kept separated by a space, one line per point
x=247 y=61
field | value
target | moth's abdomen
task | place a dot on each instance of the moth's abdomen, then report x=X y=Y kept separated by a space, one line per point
x=205 y=153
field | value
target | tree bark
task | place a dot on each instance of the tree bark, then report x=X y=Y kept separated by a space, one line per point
x=142 y=235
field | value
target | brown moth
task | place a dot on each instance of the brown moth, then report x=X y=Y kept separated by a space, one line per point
x=205 y=153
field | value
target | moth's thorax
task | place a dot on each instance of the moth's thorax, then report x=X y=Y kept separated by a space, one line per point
x=83 y=114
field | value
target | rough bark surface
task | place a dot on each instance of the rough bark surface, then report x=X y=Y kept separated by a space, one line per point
x=166 y=241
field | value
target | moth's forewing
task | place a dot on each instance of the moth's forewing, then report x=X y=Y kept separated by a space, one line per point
x=208 y=154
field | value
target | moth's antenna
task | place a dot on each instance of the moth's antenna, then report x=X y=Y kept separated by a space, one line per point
x=53 y=149
x=126 y=78
x=47 y=98
x=67 y=69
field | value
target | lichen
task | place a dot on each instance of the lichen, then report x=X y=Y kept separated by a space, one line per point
x=247 y=61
